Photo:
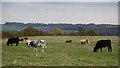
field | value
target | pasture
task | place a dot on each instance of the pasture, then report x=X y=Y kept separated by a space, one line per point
x=59 y=53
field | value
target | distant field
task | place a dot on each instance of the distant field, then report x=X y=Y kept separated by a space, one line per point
x=58 y=53
x=15 y=28
x=7 y=27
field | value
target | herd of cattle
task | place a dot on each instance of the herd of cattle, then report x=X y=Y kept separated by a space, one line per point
x=42 y=43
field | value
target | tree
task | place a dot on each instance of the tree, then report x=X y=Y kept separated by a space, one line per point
x=30 y=32
x=92 y=32
x=58 y=31
x=33 y=32
x=81 y=31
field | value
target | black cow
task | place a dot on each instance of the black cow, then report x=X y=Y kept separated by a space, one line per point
x=13 y=41
x=103 y=43
x=68 y=41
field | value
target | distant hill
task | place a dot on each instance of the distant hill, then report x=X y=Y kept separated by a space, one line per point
x=103 y=29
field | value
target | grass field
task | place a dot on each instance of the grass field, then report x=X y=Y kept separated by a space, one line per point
x=8 y=27
x=58 y=53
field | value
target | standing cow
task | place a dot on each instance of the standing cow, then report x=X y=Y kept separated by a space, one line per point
x=13 y=41
x=103 y=43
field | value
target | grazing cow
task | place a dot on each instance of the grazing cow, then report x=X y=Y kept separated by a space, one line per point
x=103 y=43
x=37 y=43
x=26 y=40
x=13 y=41
x=84 y=41
x=68 y=41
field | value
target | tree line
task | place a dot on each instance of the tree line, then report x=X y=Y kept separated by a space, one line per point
x=103 y=29
x=29 y=31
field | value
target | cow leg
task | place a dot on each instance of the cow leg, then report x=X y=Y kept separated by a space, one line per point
x=16 y=44
x=35 y=51
x=109 y=49
x=45 y=46
x=101 y=49
x=97 y=50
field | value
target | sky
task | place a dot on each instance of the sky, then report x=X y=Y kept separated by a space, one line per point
x=60 y=0
x=103 y=12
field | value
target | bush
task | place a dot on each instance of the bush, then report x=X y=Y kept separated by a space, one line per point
x=58 y=31
x=6 y=34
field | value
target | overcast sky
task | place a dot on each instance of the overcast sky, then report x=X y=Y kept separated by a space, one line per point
x=59 y=0
x=70 y=12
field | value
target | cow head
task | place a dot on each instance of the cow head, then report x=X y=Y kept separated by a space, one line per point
x=87 y=41
x=95 y=49
x=21 y=39
x=28 y=44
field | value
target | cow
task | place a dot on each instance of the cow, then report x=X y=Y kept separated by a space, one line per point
x=23 y=39
x=13 y=41
x=37 y=43
x=26 y=40
x=84 y=41
x=68 y=41
x=103 y=43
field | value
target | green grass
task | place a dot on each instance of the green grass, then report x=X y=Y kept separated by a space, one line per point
x=58 y=53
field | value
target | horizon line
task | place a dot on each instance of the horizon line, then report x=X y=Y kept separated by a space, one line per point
x=62 y=23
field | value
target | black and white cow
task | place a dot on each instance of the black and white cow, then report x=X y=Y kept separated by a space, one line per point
x=37 y=43
x=13 y=41
x=103 y=43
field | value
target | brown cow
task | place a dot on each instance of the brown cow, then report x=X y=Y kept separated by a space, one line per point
x=84 y=41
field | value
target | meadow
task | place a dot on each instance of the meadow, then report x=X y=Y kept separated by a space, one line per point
x=59 y=53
